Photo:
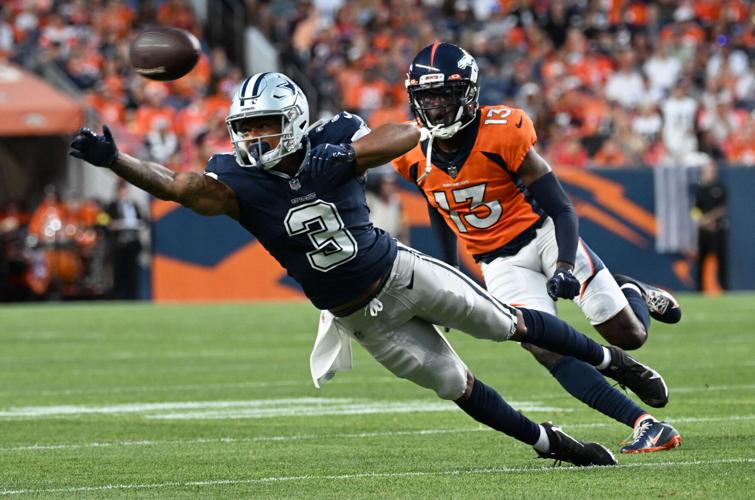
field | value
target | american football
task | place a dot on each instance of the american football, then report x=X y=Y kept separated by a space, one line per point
x=164 y=53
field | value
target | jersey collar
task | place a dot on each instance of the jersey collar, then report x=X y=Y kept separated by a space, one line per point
x=451 y=163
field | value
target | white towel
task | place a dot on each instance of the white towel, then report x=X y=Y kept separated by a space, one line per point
x=331 y=352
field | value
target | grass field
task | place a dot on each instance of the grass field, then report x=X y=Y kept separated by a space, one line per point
x=111 y=400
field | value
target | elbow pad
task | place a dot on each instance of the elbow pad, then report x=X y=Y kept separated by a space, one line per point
x=552 y=198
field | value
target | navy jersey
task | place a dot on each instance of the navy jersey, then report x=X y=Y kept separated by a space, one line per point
x=318 y=229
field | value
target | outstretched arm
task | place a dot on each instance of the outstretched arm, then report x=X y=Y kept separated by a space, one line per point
x=383 y=144
x=194 y=190
x=203 y=194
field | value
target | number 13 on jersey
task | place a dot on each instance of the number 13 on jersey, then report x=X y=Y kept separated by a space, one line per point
x=474 y=195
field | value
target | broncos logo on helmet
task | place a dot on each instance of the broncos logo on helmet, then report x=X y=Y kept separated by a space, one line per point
x=443 y=88
x=268 y=94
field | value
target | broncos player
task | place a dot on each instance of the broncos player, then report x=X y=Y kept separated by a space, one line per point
x=300 y=191
x=485 y=183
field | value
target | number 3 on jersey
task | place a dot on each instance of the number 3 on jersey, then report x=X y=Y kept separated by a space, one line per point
x=475 y=195
x=321 y=222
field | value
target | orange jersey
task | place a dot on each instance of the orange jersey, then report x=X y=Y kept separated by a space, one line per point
x=482 y=203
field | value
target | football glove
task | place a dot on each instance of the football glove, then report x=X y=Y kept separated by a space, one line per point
x=96 y=149
x=563 y=285
x=324 y=157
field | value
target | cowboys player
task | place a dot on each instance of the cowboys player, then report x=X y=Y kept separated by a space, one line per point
x=486 y=184
x=300 y=191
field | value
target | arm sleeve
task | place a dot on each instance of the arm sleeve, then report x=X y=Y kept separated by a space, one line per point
x=445 y=235
x=549 y=194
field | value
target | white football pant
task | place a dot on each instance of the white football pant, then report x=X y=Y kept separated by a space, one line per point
x=520 y=279
x=397 y=328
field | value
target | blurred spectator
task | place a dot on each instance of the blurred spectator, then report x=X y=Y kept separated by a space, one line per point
x=125 y=223
x=610 y=154
x=709 y=213
x=662 y=69
x=385 y=207
x=626 y=85
x=740 y=145
x=176 y=13
x=47 y=219
x=6 y=35
x=648 y=122
x=678 y=132
x=13 y=261
x=392 y=110
x=564 y=149
x=161 y=142
x=153 y=109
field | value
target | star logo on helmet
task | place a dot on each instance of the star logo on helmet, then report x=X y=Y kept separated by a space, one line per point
x=285 y=86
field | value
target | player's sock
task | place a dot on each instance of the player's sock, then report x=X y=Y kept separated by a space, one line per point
x=637 y=303
x=547 y=331
x=585 y=383
x=488 y=407
x=543 y=443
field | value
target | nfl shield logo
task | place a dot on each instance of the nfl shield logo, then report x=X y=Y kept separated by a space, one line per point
x=294 y=184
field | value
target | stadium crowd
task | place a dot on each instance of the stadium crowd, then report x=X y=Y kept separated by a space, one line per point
x=608 y=83
x=71 y=248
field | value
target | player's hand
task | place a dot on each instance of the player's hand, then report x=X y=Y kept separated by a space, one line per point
x=96 y=149
x=326 y=156
x=563 y=285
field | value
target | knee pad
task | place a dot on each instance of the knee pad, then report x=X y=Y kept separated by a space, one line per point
x=451 y=382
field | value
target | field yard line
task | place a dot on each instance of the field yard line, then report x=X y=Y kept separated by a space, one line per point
x=302 y=437
x=371 y=475
x=257 y=408
x=192 y=387
x=350 y=380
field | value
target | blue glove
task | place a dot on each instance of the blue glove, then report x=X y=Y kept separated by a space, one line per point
x=325 y=157
x=96 y=149
x=563 y=284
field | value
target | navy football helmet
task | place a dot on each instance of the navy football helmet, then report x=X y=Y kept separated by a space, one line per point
x=443 y=88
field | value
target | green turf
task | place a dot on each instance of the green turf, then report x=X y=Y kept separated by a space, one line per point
x=68 y=373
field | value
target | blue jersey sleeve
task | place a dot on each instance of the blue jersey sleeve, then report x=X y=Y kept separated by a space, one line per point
x=343 y=128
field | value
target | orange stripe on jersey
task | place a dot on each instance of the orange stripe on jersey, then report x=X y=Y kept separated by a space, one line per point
x=482 y=203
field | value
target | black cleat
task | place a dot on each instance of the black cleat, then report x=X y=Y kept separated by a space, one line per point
x=640 y=379
x=564 y=448
x=661 y=304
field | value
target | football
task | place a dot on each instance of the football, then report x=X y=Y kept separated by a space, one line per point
x=164 y=53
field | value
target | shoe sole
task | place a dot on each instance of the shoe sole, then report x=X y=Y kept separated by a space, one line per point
x=671 y=443
x=673 y=303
